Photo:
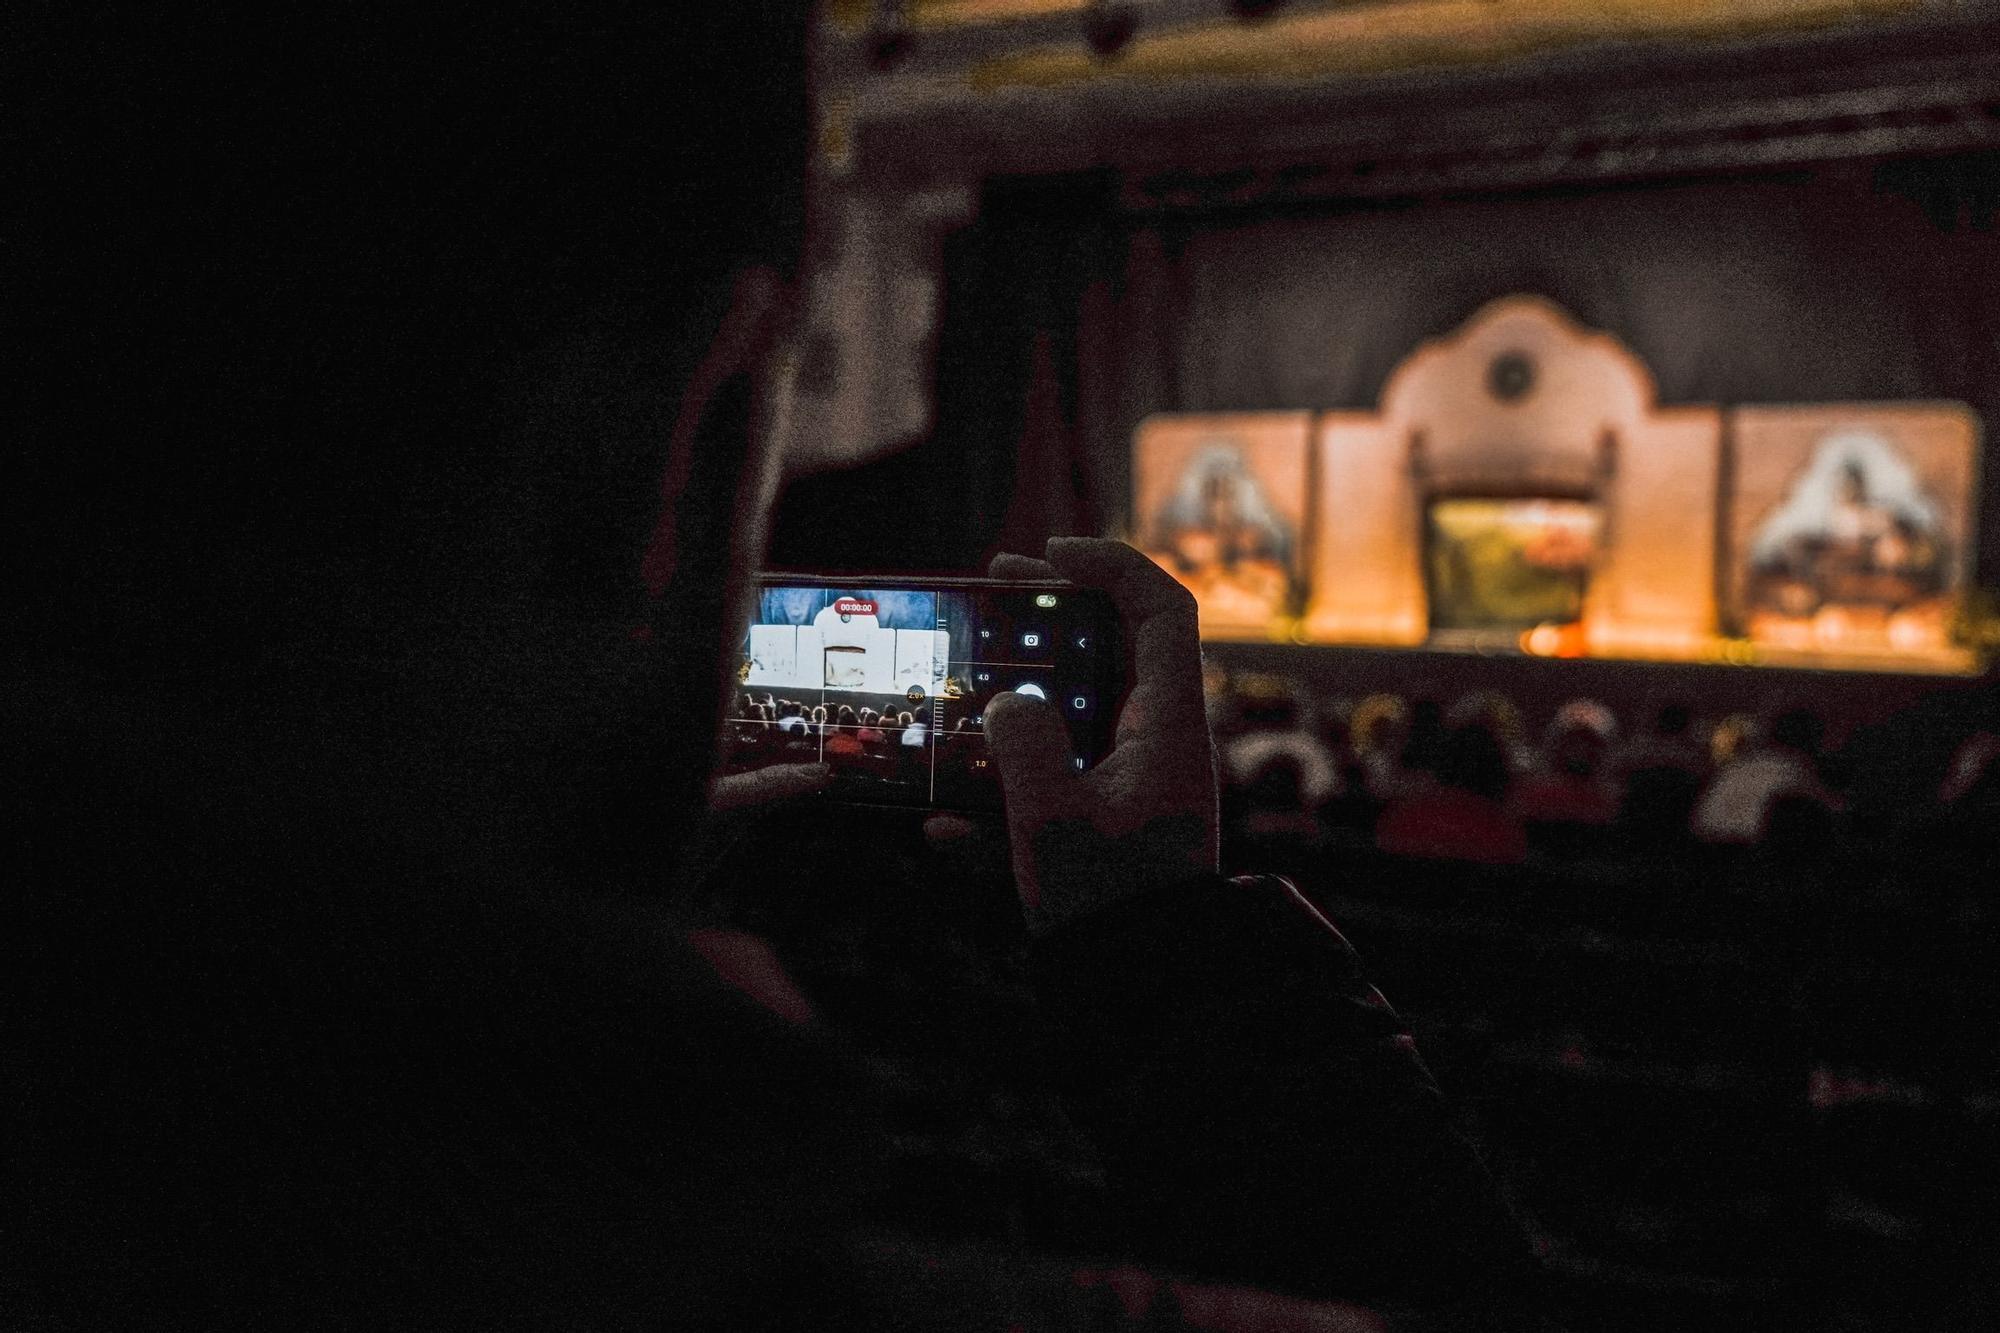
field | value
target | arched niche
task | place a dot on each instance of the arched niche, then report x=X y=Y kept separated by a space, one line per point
x=1520 y=410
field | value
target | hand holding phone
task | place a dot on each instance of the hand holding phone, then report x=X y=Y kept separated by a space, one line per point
x=1147 y=813
x=887 y=681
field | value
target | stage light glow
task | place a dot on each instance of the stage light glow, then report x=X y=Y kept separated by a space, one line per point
x=1584 y=520
x=1832 y=627
x=1911 y=631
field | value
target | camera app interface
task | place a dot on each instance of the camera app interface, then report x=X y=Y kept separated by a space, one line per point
x=889 y=686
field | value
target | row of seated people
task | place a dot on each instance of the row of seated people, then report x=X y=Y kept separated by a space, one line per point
x=835 y=733
x=1462 y=783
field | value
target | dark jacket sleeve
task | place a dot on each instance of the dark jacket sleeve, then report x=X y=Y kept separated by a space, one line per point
x=1262 y=1113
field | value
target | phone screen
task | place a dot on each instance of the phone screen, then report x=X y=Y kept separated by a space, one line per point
x=887 y=681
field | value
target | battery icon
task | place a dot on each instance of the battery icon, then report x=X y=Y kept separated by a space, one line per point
x=1045 y=599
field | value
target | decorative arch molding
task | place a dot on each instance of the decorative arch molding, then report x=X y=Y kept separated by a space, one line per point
x=1518 y=399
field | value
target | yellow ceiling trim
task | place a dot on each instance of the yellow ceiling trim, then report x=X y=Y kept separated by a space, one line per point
x=937 y=15
x=1411 y=35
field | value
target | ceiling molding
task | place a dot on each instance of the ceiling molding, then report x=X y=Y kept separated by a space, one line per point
x=1651 y=110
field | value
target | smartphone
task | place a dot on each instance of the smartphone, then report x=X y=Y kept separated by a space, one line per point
x=886 y=680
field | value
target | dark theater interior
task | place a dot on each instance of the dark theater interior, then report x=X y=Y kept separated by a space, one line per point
x=1005 y=665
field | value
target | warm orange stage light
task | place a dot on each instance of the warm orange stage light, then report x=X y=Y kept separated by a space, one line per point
x=1520 y=489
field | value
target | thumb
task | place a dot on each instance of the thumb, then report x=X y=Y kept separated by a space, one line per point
x=1029 y=743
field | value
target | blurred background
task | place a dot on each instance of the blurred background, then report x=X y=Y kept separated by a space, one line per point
x=1573 y=420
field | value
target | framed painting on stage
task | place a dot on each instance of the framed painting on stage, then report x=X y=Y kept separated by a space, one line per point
x=1219 y=501
x=1850 y=526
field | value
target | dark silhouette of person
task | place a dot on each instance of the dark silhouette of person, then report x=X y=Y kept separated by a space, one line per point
x=1464 y=816
x=402 y=384
x=1663 y=772
x=872 y=723
x=1735 y=806
x=1571 y=786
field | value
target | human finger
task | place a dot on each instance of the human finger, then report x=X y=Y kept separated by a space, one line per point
x=1022 y=568
x=767 y=786
x=1159 y=615
x=1141 y=588
x=1031 y=749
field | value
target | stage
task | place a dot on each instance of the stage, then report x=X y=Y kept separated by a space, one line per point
x=1521 y=493
x=1846 y=696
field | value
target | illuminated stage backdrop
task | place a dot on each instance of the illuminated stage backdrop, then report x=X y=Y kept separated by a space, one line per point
x=1221 y=502
x=1520 y=489
x=1850 y=527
